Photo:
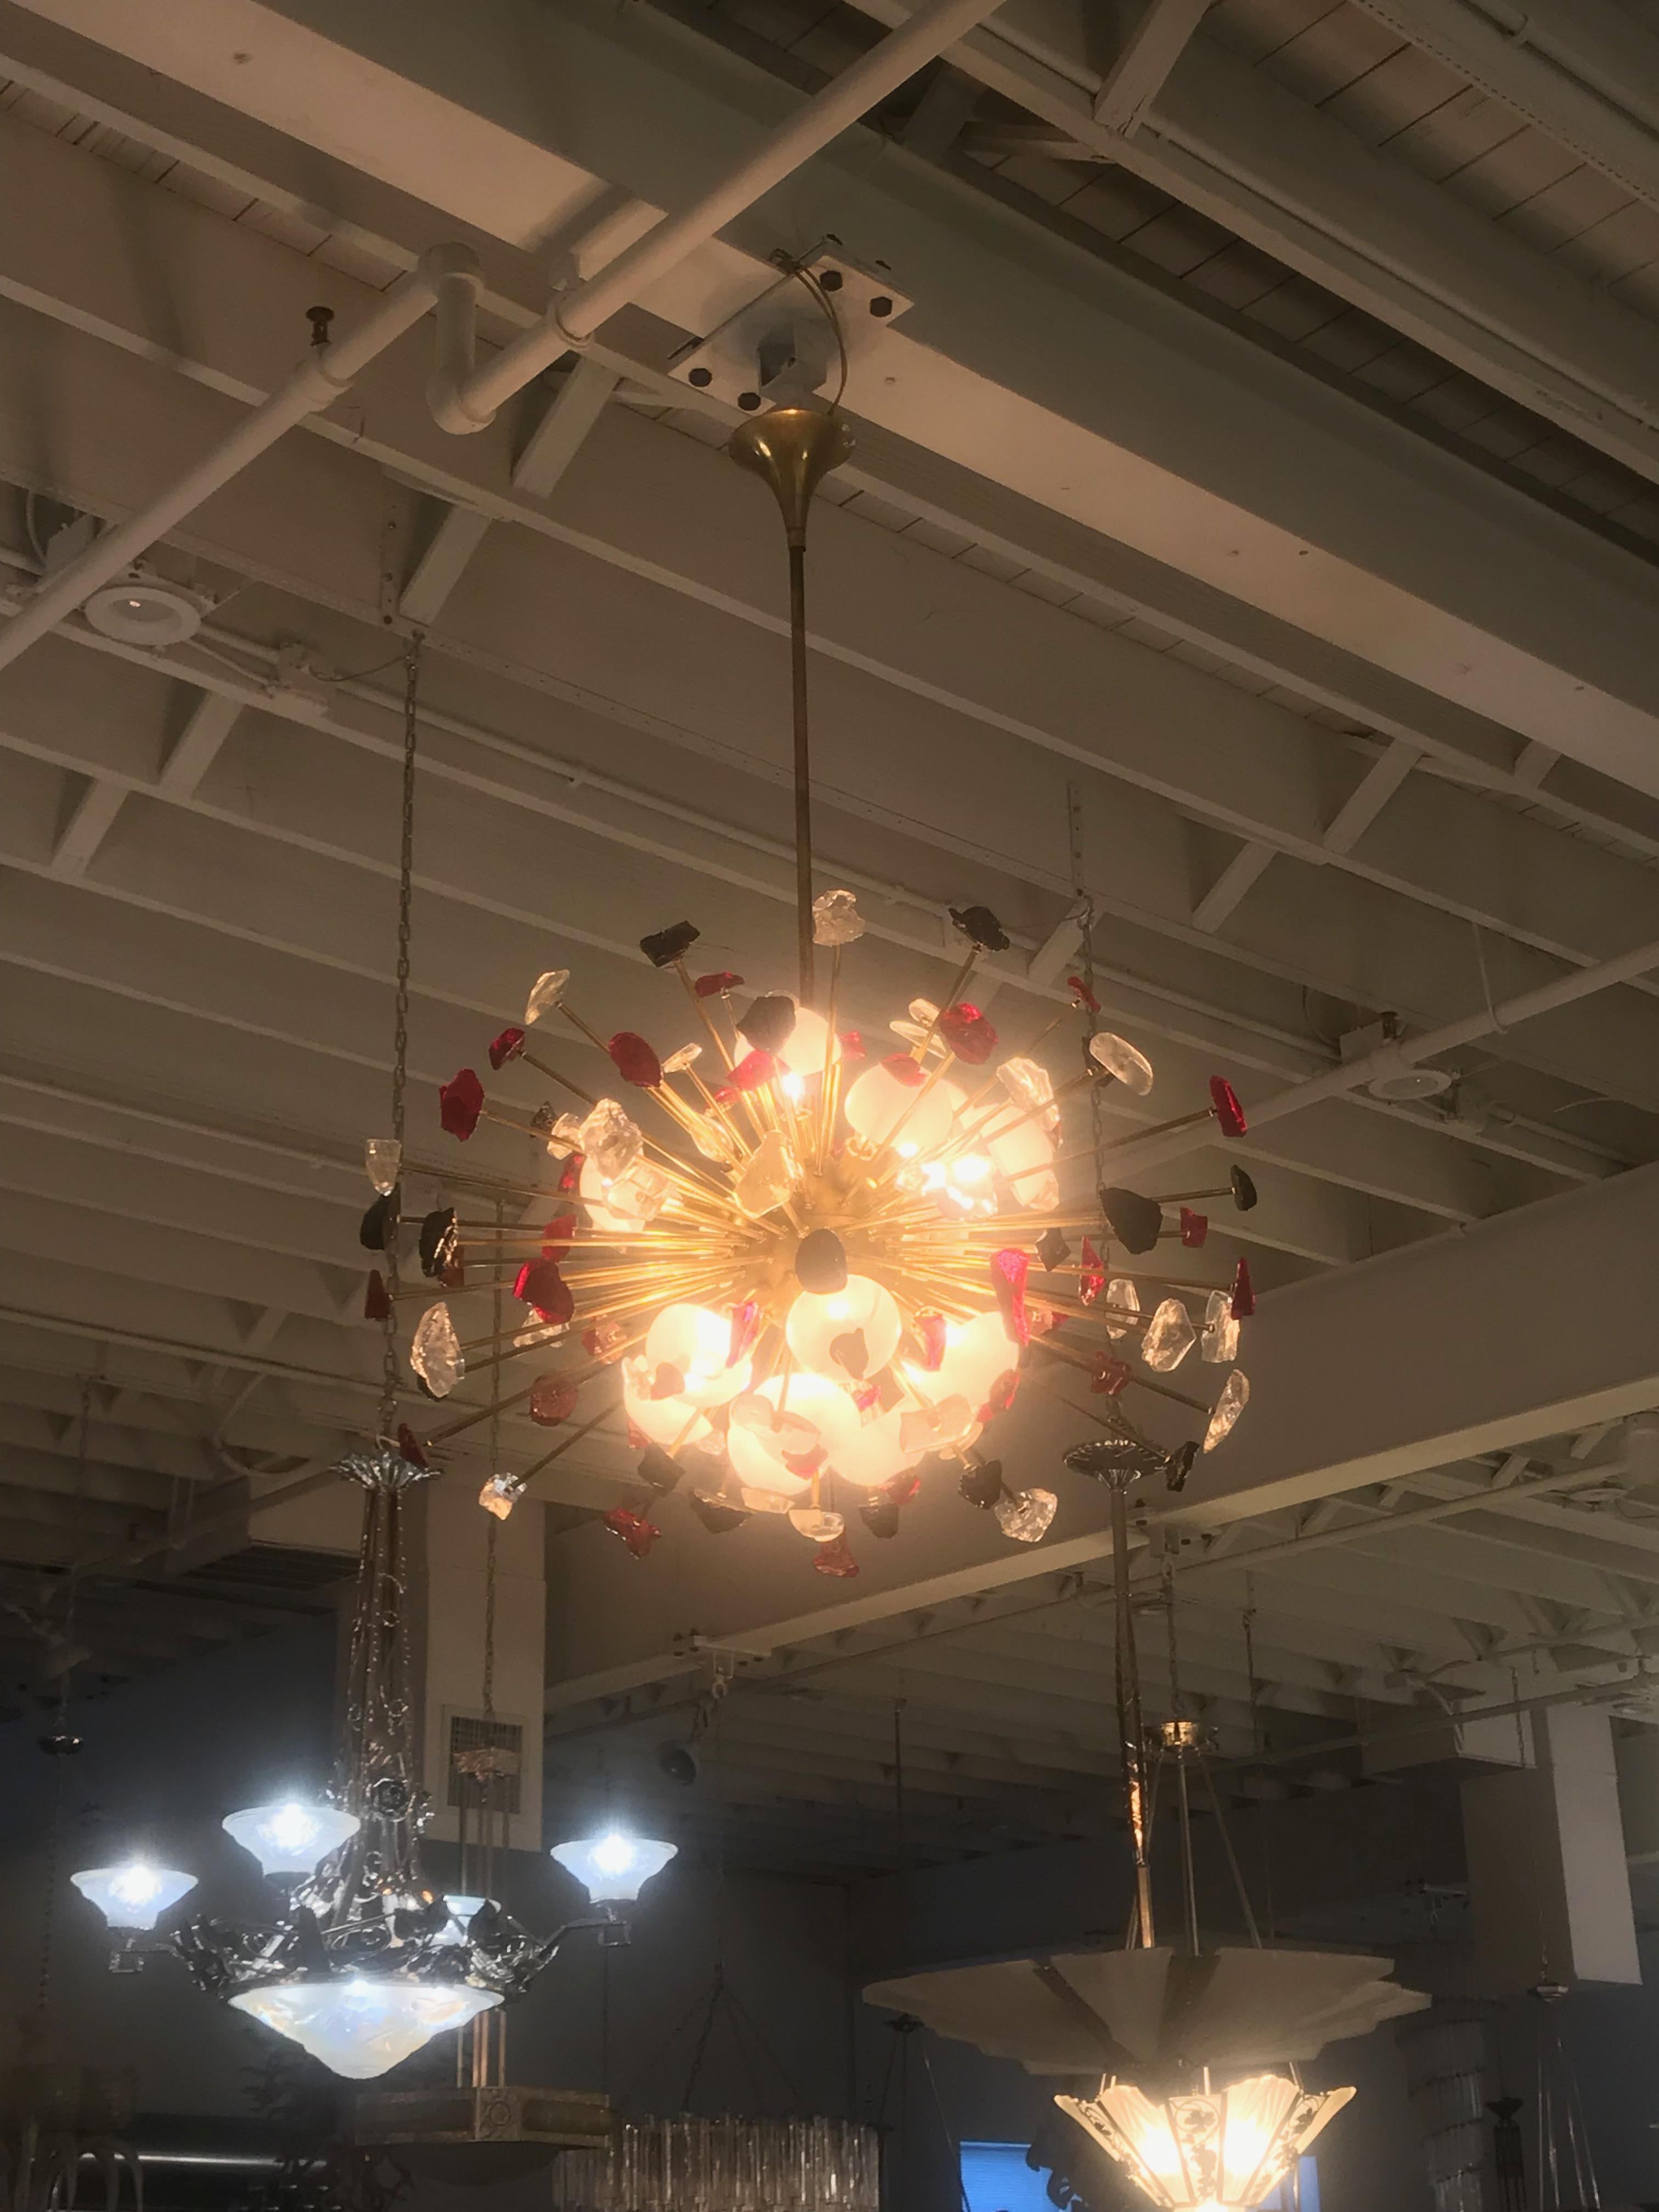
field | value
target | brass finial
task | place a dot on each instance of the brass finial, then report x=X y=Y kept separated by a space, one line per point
x=794 y=448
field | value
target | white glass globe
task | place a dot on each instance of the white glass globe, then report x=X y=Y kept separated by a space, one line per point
x=976 y=1352
x=818 y=1418
x=878 y=1101
x=1024 y=1156
x=135 y=1895
x=860 y=1323
x=289 y=1838
x=877 y=1454
x=696 y=1343
x=672 y=1423
x=802 y=1050
x=361 y=2027
x=613 y=1868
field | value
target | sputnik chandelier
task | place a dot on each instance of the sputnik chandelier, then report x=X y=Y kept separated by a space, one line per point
x=816 y=1264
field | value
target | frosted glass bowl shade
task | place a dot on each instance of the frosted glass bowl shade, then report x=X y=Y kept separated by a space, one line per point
x=613 y=1868
x=360 y=2029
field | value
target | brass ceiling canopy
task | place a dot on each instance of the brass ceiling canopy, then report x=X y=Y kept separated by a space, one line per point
x=794 y=448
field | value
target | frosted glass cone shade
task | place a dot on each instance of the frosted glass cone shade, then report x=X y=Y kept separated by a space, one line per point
x=697 y=1344
x=134 y=1895
x=848 y=1335
x=291 y=1837
x=1223 y=2151
x=360 y=2029
x=613 y=1868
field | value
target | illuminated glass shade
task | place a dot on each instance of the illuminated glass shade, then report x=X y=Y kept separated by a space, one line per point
x=291 y=1837
x=1220 y=2151
x=135 y=1895
x=613 y=1868
x=461 y=1910
x=360 y=2028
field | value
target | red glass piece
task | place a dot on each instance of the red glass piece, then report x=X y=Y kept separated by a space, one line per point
x=804 y=1464
x=1244 y=1292
x=540 y=1284
x=930 y=1328
x=1194 y=1227
x=835 y=1560
x=377 y=1301
x=668 y=1382
x=1111 y=1376
x=968 y=1033
x=634 y=1060
x=638 y=1534
x=712 y=986
x=1224 y=1104
x=745 y=1328
x=904 y=1070
x=852 y=1044
x=1001 y=1394
x=409 y=1445
x=1082 y=995
x=571 y=1174
x=751 y=1071
x=1091 y=1274
x=460 y=1102
x=869 y=1396
x=1009 y=1269
x=552 y=1400
x=558 y=1236
x=508 y=1046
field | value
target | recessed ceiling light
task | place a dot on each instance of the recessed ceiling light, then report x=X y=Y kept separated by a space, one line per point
x=143 y=610
x=1403 y=1084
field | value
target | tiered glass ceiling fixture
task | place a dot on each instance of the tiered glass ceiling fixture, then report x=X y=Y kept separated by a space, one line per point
x=360 y=1961
x=820 y=1261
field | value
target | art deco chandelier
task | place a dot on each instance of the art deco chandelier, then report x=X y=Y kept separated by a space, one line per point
x=818 y=1261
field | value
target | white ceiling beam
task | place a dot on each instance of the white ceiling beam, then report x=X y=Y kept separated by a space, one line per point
x=90 y=821
x=1585 y=72
x=1349 y=551
x=1152 y=44
x=1246 y=867
x=566 y=420
x=1167 y=745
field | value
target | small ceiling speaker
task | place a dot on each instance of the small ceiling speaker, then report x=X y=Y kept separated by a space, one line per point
x=141 y=610
x=1402 y=1086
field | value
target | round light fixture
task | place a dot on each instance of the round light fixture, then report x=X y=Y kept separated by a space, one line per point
x=1402 y=1086
x=140 y=610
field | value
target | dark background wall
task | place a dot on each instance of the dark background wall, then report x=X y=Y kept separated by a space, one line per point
x=166 y=1758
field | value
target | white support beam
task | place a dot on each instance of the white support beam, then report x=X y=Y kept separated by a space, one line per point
x=1151 y=48
x=1372 y=794
x=1305 y=502
x=87 y=826
x=210 y=723
x=571 y=413
x=1585 y=71
x=1246 y=867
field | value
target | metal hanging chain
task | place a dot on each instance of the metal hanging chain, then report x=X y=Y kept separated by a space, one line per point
x=400 y=1012
x=492 y=1534
x=60 y=1739
x=1177 y=1701
x=1085 y=911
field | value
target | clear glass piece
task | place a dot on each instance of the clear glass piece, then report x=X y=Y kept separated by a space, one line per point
x=817 y=1527
x=1220 y=1329
x=1170 y=1336
x=766 y=1178
x=291 y=1837
x=383 y=1160
x=501 y=1494
x=434 y=1351
x=837 y=919
x=1122 y=1297
x=1025 y=1515
x=360 y=2029
x=613 y=1868
x=546 y=992
x=1235 y=1396
x=610 y=1141
x=135 y=1895
x=564 y=1136
x=1119 y=1057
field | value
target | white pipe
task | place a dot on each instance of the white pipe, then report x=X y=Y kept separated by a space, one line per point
x=315 y=384
x=1407 y=1052
x=578 y=313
